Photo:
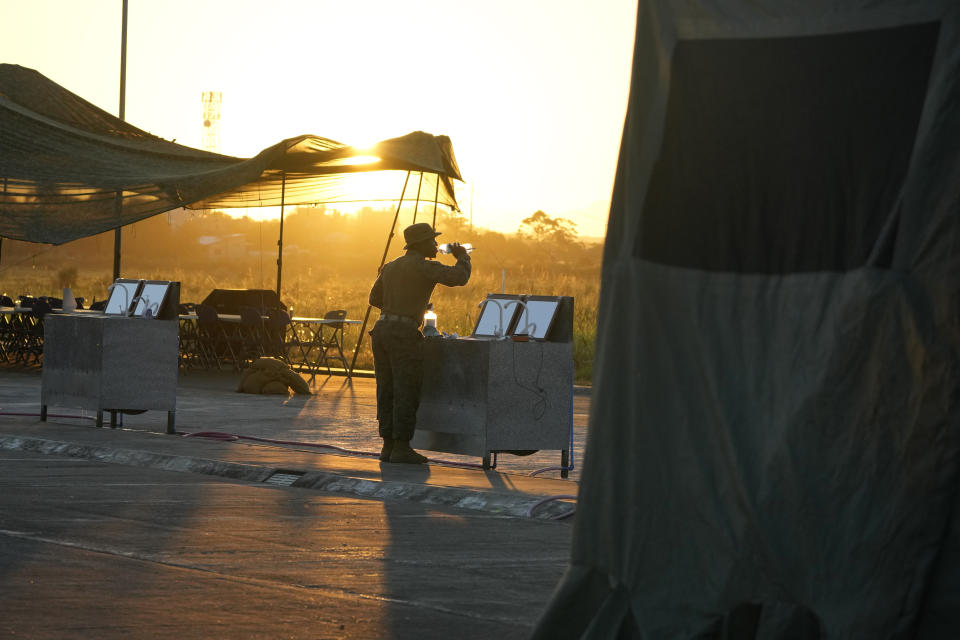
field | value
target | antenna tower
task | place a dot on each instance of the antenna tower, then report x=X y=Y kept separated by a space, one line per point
x=211 y=121
x=209 y=141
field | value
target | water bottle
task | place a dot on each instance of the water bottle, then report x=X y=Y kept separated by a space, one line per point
x=430 y=317
x=430 y=323
x=445 y=247
x=69 y=302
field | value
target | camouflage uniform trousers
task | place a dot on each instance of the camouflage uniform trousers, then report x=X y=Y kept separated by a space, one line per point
x=398 y=364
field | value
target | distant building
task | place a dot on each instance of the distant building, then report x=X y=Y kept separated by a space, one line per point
x=229 y=247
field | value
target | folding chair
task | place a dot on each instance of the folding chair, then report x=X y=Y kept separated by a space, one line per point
x=31 y=342
x=15 y=334
x=190 y=354
x=7 y=334
x=331 y=337
x=282 y=338
x=253 y=335
x=216 y=344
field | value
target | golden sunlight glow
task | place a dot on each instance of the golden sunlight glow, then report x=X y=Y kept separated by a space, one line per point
x=355 y=160
x=376 y=189
x=480 y=96
x=254 y=213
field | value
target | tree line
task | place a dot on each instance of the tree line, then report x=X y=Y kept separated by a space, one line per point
x=315 y=239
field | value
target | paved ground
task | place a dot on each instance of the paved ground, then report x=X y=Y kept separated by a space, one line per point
x=133 y=533
x=341 y=413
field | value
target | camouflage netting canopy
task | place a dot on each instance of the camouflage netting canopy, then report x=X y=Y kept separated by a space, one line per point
x=63 y=162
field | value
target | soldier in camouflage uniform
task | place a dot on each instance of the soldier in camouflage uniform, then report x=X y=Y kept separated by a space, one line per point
x=402 y=292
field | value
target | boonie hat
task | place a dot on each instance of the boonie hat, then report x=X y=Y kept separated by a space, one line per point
x=418 y=233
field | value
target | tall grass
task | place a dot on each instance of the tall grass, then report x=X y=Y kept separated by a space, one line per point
x=312 y=296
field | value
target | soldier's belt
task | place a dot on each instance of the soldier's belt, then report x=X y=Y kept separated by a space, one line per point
x=393 y=317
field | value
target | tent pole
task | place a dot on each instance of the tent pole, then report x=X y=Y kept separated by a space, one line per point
x=283 y=189
x=416 y=204
x=436 y=196
x=1 y=237
x=118 y=203
x=117 y=209
x=393 y=227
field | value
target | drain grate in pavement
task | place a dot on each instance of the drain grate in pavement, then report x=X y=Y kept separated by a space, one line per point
x=284 y=478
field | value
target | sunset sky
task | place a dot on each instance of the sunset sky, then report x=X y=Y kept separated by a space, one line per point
x=531 y=92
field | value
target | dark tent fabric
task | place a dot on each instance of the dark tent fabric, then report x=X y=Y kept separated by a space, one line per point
x=773 y=447
x=63 y=161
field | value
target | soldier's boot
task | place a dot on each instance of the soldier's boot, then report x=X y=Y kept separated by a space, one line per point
x=403 y=453
x=386 y=449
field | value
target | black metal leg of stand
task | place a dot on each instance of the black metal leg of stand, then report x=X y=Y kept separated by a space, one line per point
x=113 y=419
x=564 y=462
x=486 y=460
x=43 y=413
x=99 y=422
x=171 y=421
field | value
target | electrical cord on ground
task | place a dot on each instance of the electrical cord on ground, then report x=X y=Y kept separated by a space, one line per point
x=540 y=503
x=233 y=437
x=545 y=469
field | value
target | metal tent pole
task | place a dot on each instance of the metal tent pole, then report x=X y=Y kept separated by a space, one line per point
x=118 y=201
x=436 y=196
x=283 y=191
x=366 y=316
x=416 y=204
x=1 y=237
